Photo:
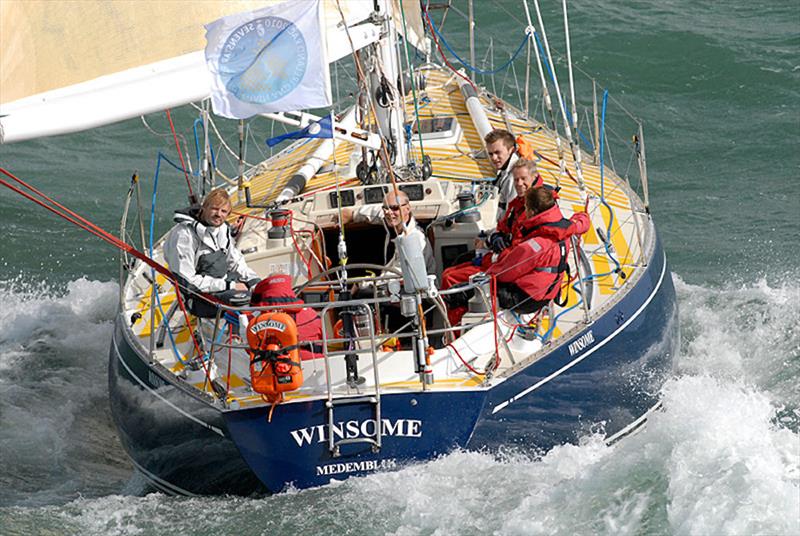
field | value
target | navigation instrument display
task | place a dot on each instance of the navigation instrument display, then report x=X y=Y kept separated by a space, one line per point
x=348 y=198
x=373 y=195
x=414 y=192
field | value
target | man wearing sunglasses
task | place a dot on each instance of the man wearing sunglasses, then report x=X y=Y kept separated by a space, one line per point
x=395 y=214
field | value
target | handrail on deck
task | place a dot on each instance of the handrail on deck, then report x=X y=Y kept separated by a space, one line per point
x=372 y=339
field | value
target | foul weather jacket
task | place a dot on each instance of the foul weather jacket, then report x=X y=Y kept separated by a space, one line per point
x=538 y=259
x=196 y=252
x=515 y=212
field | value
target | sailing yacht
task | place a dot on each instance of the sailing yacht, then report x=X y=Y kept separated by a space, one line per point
x=187 y=394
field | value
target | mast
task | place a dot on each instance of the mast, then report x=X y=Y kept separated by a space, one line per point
x=384 y=72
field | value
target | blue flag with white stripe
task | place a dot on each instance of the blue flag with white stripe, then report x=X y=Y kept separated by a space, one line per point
x=321 y=129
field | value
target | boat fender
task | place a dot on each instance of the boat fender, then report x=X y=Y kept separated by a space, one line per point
x=525 y=149
x=274 y=355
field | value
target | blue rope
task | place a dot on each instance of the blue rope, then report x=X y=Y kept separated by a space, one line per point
x=168 y=161
x=175 y=351
x=590 y=277
x=602 y=179
x=472 y=67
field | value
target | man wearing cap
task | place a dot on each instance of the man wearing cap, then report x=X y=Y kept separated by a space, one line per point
x=201 y=253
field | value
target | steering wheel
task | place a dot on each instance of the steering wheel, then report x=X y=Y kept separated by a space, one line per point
x=337 y=269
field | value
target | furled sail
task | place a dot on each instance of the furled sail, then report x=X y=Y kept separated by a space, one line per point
x=68 y=66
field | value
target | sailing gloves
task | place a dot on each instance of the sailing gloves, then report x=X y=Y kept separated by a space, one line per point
x=499 y=241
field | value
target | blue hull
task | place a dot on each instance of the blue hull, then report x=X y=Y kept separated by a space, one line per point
x=611 y=373
x=176 y=439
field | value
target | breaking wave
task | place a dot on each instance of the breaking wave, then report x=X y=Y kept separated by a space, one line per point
x=722 y=457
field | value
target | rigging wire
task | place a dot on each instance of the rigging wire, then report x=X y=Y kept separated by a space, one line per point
x=192 y=197
x=567 y=127
x=413 y=81
x=547 y=100
x=446 y=61
x=471 y=67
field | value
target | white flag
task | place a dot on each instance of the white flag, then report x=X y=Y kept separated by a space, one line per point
x=268 y=60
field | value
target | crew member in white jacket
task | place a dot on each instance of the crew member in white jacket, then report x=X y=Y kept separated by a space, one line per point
x=200 y=251
x=394 y=212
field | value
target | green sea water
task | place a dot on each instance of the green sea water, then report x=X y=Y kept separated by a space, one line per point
x=718 y=88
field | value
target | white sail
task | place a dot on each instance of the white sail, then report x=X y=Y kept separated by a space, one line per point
x=68 y=66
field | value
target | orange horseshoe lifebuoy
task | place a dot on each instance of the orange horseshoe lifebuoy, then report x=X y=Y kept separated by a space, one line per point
x=274 y=355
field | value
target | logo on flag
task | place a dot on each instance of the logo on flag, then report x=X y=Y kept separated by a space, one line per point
x=268 y=60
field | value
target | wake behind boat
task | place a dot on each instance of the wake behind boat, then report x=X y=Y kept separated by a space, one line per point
x=187 y=393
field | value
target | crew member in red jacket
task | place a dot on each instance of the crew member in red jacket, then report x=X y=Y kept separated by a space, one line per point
x=277 y=290
x=529 y=274
x=525 y=176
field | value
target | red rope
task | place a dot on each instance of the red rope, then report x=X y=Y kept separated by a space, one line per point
x=65 y=213
x=180 y=154
x=493 y=286
x=307 y=263
x=465 y=363
x=543 y=157
x=230 y=358
x=81 y=222
x=293 y=232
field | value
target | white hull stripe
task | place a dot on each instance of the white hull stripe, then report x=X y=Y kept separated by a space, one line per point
x=593 y=349
x=634 y=426
x=160 y=483
x=167 y=402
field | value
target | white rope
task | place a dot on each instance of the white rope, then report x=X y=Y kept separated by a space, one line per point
x=568 y=129
x=576 y=149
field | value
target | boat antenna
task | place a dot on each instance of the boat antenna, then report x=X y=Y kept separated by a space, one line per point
x=531 y=32
x=240 y=185
x=208 y=171
x=567 y=128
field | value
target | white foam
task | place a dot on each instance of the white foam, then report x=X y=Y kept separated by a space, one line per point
x=731 y=469
x=53 y=354
x=719 y=458
x=748 y=333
